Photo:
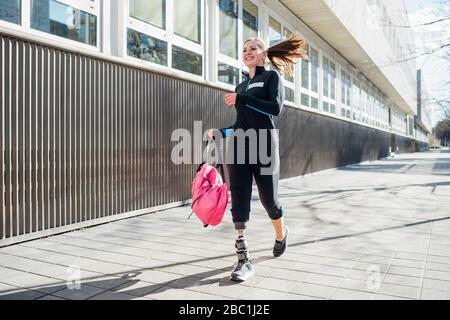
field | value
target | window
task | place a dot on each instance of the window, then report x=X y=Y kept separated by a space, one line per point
x=228 y=74
x=228 y=22
x=286 y=35
x=356 y=101
x=329 y=107
x=310 y=78
x=399 y=122
x=305 y=100
x=277 y=33
x=364 y=104
x=147 y=48
x=329 y=85
x=149 y=11
x=187 y=61
x=332 y=108
x=289 y=79
x=346 y=88
x=178 y=45
x=233 y=31
x=371 y=106
x=62 y=20
x=228 y=67
x=10 y=11
x=314 y=103
x=314 y=70
x=187 y=19
x=326 y=77
x=274 y=32
x=384 y=112
x=376 y=114
x=332 y=81
x=305 y=70
x=250 y=19
x=289 y=94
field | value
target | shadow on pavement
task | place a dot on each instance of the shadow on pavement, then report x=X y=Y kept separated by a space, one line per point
x=441 y=166
x=186 y=282
x=321 y=193
x=121 y=283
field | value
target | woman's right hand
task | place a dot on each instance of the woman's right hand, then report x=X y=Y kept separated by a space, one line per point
x=230 y=99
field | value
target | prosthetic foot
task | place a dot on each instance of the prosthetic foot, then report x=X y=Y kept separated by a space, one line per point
x=244 y=269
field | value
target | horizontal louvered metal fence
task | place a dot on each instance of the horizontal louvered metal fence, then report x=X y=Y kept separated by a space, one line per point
x=85 y=139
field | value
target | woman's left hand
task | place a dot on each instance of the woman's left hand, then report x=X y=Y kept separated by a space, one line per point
x=230 y=99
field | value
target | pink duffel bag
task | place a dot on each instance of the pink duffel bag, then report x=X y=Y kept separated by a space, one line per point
x=209 y=195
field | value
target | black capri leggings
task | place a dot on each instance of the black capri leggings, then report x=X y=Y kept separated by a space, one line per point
x=241 y=180
x=266 y=176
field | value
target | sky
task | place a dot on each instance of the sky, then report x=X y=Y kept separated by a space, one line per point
x=435 y=68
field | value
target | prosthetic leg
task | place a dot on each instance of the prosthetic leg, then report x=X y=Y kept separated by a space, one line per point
x=244 y=269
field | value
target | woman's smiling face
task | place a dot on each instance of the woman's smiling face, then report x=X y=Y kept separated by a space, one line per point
x=252 y=54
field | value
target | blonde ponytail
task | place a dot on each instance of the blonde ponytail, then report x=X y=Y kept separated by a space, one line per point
x=282 y=55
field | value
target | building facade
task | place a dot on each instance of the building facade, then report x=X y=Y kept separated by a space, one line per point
x=91 y=91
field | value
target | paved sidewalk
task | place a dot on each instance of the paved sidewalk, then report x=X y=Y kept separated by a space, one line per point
x=379 y=230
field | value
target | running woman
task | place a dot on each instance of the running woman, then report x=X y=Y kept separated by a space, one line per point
x=258 y=99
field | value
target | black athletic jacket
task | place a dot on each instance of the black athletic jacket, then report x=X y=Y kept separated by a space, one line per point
x=258 y=101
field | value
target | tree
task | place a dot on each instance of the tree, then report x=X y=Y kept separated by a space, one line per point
x=444 y=105
x=443 y=130
x=431 y=25
x=432 y=33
